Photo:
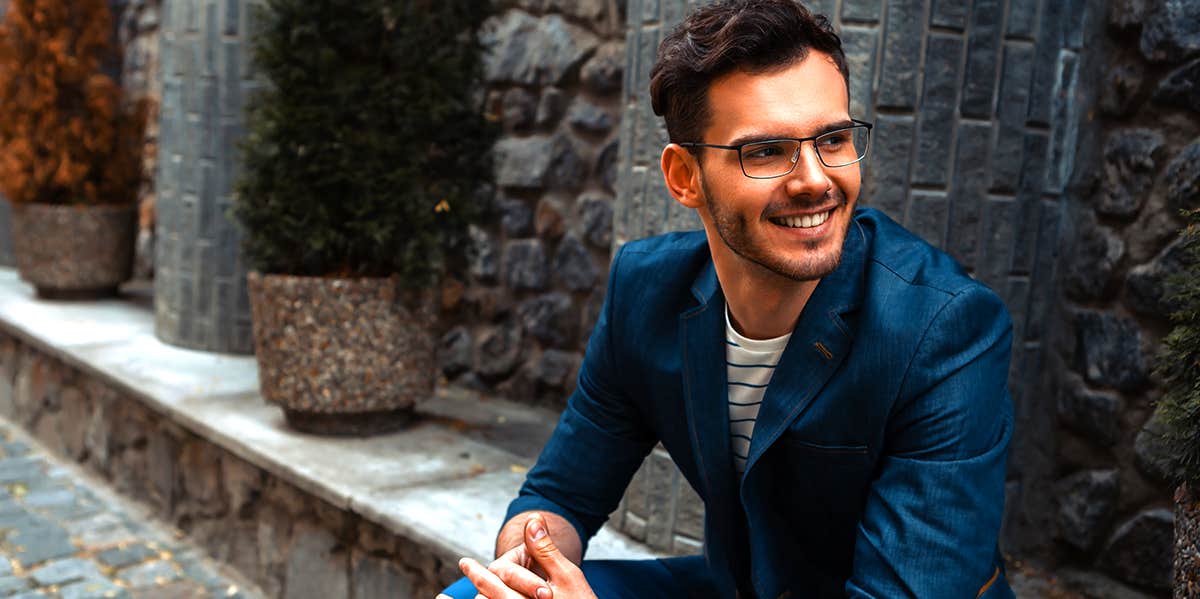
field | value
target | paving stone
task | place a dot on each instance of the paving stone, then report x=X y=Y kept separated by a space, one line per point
x=50 y=498
x=65 y=571
x=154 y=573
x=93 y=589
x=30 y=595
x=13 y=584
x=126 y=555
x=37 y=544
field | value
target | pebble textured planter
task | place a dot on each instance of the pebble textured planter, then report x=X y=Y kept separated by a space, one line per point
x=1187 y=543
x=342 y=356
x=70 y=252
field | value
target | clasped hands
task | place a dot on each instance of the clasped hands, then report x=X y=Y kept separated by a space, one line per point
x=534 y=569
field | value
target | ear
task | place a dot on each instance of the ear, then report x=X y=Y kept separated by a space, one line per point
x=681 y=172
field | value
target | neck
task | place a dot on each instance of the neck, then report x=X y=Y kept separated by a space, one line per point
x=762 y=304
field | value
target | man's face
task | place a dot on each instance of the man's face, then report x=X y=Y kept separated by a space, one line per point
x=756 y=218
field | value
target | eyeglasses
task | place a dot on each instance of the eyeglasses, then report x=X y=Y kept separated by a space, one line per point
x=772 y=158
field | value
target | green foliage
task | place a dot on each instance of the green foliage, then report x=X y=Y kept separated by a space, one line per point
x=367 y=146
x=1179 y=364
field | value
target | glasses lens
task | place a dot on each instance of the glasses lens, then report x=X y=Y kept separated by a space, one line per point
x=768 y=159
x=844 y=146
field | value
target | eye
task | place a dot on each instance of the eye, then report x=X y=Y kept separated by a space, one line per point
x=834 y=140
x=765 y=151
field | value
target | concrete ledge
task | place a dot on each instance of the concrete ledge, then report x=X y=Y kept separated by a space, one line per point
x=441 y=485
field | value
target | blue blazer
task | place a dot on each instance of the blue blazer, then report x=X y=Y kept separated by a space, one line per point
x=877 y=463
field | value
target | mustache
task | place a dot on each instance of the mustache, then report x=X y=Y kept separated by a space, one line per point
x=777 y=207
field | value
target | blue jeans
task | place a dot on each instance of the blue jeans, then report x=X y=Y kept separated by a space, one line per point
x=632 y=579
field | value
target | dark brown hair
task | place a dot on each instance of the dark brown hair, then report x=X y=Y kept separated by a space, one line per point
x=732 y=35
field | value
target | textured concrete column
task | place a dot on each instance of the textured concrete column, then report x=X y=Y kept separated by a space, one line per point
x=200 y=285
x=976 y=117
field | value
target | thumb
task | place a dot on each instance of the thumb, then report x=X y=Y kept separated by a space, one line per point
x=541 y=547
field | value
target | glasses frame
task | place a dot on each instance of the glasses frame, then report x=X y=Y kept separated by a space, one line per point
x=801 y=140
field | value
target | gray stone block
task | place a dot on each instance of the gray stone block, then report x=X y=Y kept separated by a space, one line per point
x=887 y=184
x=860 y=10
x=1183 y=179
x=1130 y=163
x=1093 y=262
x=949 y=13
x=1087 y=502
x=1092 y=414
x=1045 y=68
x=983 y=55
x=548 y=318
x=527 y=50
x=317 y=566
x=1140 y=551
x=900 y=64
x=1022 y=19
x=999 y=222
x=967 y=192
x=859 y=45
x=943 y=54
x=1109 y=350
x=1029 y=193
x=574 y=267
x=1181 y=87
x=928 y=216
x=1011 y=109
x=1171 y=32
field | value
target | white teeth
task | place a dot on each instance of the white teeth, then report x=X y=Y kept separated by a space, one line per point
x=804 y=222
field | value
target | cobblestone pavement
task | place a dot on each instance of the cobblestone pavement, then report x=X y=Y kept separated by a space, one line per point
x=64 y=535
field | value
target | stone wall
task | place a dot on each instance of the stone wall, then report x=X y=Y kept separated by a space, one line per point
x=521 y=316
x=1114 y=510
x=288 y=542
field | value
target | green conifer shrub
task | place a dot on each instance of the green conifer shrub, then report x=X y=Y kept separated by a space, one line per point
x=367 y=145
x=1179 y=365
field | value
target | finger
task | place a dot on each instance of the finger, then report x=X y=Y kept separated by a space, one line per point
x=517 y=555
x=485 y=582
x=542 y=548
x=521 y=580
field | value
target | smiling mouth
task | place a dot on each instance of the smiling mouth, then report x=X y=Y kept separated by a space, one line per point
x=804 y=222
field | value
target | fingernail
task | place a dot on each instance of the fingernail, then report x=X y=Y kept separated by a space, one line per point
x=543 y=593
x=538 y=530
x=462 y=565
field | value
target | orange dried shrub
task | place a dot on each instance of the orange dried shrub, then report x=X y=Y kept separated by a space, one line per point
x=66 y=135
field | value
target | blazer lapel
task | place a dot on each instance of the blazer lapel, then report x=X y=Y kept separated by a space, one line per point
x=702 y=342
x=818 y=345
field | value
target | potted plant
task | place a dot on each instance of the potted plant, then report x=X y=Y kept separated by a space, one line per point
x=70 y=148
x=1178 y=411
x=364 y=151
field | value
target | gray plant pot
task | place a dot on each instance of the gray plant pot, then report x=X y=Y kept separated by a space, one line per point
x=342 y=356
x=74 y=251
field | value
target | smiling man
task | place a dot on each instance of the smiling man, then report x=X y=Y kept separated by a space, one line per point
x=833 y=387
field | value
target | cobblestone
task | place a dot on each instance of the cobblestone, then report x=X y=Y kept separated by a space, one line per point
x=64 y=536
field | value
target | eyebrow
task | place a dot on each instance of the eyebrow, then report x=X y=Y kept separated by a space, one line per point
x=753 y=137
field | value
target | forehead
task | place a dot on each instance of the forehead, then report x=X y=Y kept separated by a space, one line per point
x=793 y=101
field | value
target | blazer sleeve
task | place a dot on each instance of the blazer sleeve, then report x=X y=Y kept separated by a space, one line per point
x=932 y=517
x=600 y=439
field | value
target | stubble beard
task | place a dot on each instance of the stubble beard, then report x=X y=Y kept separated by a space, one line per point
x=734 y=230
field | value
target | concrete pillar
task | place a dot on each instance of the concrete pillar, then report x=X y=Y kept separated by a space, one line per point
x=200 y=297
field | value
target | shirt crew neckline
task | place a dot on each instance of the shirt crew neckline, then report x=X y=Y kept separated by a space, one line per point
x=776 y=344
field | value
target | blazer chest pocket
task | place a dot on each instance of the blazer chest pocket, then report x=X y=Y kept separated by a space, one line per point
x=822 y=479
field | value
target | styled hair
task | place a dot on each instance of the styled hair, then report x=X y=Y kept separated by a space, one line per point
x=754 y=36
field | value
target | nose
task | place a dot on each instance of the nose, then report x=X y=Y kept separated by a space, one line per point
x=808 y=176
